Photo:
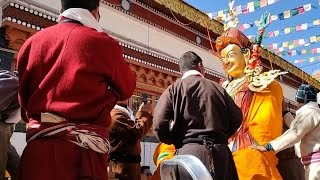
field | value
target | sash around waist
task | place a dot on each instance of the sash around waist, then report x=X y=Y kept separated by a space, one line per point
x=84 y=135
x=311 y=158
x=125 y=158
x=202 y=139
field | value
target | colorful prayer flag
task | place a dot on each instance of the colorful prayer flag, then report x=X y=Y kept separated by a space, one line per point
x=301 y=42
x=274 y=17
x=298 y=28
x=251 y=6
x=291 y=46
x=304 y=26
x=241 y=27
x=256 y=4
x=286 y=14
x=303 y=51
x=246 y=26
x=281 y=49
x=316 y=22
x=263 y=3
x=312 y=59
x=287 y=30
x=300 y=10
x=307 y=7
x=313 y=39
x=298 y=61
x=270 y=2
x=275 y=46
x=238 y=9
x=294 y=52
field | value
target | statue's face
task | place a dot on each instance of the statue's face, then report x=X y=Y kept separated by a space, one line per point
x=234 y=61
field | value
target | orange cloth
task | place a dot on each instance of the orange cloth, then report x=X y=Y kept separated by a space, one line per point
x=254 y=165
x=265 y=114
x=162 y=152
x=265 y=124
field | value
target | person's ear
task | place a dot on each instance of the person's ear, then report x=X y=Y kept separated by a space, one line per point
x=96 y=13
x=247 y=55
x=201 y=68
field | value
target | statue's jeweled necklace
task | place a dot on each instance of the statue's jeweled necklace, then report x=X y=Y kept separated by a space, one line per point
x=234 y=86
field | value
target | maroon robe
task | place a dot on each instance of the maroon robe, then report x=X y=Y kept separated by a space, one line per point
x=77 y=73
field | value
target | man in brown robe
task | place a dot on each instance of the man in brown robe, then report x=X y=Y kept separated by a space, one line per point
x=126 y=132
x=198 y=116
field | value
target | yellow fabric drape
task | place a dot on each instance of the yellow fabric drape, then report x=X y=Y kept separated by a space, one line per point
x=265 y=124
x=162 y=152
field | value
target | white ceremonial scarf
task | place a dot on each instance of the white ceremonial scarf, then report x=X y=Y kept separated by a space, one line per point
x=191 y=73
x=83 y=16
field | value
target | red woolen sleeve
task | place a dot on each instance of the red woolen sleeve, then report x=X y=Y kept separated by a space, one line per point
x=122 y=79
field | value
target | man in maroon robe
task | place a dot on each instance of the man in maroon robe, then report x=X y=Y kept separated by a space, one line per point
x=71 y=76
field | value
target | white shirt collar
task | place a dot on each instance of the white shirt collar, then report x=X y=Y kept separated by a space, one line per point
x=191 y=73
x=310 y=104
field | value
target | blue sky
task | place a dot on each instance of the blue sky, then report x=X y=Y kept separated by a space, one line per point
x=276 y=8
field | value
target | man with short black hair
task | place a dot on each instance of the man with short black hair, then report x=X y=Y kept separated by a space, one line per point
x=198 y=116
x=191 y=61
x=71 y=76
x=84 y=4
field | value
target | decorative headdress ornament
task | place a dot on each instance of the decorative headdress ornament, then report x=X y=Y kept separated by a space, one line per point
x=257 y=81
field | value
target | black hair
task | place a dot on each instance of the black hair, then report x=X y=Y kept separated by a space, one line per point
x=84 y=4
x=189 y=61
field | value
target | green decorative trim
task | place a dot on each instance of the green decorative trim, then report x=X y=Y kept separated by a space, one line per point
x=195 y=15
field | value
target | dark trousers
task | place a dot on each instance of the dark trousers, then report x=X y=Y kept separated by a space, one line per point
x=13 y=162
x=9 y=158
x=224 y=167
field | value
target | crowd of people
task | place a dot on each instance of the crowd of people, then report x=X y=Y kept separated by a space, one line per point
x=73 y=87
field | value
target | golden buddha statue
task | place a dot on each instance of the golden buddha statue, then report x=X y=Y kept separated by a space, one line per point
x=260 y=98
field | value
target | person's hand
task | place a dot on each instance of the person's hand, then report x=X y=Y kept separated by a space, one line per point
x=284 y=106
x=259 y=148
x=147 y=107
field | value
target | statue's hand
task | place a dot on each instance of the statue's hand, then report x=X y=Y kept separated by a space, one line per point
x=259 y=148
x=264 y=20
